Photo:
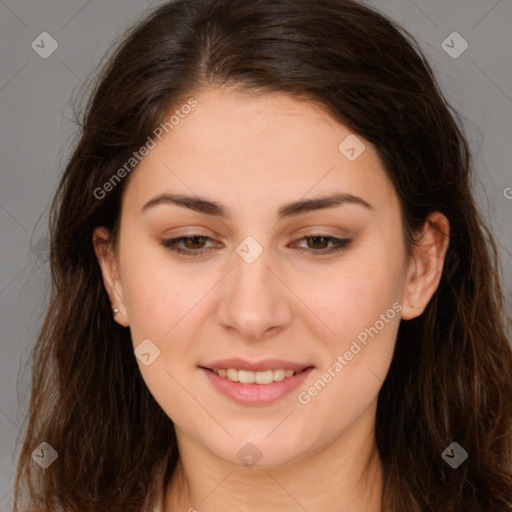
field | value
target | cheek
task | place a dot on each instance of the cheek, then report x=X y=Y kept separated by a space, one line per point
x=158 y=292
x=360 y=303
x=352 y=296
x=364 y=314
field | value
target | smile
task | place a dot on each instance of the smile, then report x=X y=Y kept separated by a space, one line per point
x=250 y=377
x=255 y=384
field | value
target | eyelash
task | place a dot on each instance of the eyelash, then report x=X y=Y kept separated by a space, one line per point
x=339 y=244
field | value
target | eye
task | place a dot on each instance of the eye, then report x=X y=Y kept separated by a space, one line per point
x=195 y=244
x=194 y=248
x=318 y=243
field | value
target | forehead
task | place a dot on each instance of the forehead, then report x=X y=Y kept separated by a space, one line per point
x=240 y=149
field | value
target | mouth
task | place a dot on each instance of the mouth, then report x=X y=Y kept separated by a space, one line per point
x=255 y=383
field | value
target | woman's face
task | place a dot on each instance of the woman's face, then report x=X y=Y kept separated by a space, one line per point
x=263 y=287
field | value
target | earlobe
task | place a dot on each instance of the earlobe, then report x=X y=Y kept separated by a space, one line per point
x=110 y=272
x=426 y=265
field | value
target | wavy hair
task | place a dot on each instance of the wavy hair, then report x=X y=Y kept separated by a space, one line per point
x=451 y=374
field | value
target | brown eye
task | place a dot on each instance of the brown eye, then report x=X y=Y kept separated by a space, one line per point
x=319 y=244
x=196 y=240
x=193 y=244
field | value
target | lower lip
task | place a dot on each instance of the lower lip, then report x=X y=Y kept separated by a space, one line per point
x=256 y=394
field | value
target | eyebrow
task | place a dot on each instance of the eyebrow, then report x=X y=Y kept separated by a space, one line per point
x=209 y=207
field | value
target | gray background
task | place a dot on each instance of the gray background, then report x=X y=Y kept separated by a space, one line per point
x=37 y=128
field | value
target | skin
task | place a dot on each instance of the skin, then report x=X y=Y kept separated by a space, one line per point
x=253 y=154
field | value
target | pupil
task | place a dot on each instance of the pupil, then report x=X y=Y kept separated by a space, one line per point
x=316 y=239
x=195 y=239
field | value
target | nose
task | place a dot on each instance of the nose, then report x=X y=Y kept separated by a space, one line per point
x=254 y=301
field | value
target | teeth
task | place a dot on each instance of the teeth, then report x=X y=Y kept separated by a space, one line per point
x=279 y=374
x=232 y=374
x=249 y=377
x=264 y=377
x=246 y=377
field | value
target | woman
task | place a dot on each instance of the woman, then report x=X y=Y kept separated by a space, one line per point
x=272 y=288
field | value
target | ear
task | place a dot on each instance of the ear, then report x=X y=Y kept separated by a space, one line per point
x=110 y=272
x=426 y=265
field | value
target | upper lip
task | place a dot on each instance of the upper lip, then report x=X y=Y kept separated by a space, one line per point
x=256 y=366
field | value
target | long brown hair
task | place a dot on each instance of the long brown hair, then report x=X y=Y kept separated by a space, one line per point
x=451 y=376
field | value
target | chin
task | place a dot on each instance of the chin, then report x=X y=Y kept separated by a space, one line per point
x=263 y=451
